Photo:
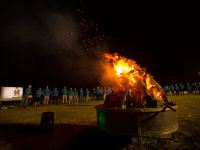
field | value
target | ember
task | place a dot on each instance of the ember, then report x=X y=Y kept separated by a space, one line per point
x=132 y=86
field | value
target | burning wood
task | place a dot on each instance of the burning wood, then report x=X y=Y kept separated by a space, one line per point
x=132 y=87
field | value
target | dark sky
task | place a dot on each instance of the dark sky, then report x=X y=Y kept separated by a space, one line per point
x=42 y=42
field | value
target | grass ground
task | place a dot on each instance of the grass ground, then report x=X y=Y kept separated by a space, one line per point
x=75 y=128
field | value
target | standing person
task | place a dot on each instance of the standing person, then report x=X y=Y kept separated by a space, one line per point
x=98 y=93
x=87 y=95
x=55 y=94
x=198 y=87
x=101 y=93
x=25 y=98
x=182 y=88
x=46 y=95
x=189 y=88
x=75 y=96
x=172 y=89
x=166 y=88
x=94 y=94
x=105 y=93
x=81 y=95
x=64 y=93
x=38 y=96
x=177 y=89
x=195 y=88
x=71 y=94
x=28 y=95
x=109 y=90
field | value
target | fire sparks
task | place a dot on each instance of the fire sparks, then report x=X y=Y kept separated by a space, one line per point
x=129 y=75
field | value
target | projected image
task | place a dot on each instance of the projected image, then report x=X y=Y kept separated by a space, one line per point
x=11 y=93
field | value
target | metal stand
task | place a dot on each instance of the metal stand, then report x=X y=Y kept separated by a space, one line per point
x=137 y=142
x=139 y=134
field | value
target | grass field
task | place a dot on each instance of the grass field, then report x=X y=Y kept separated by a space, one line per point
x=75 y=128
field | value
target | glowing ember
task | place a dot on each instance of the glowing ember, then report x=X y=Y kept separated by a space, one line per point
x=132 y=80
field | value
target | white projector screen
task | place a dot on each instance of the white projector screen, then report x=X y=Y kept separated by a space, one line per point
x=11 y=93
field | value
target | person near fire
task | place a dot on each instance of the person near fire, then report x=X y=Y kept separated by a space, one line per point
x=167 y=90
x=46 y=95
x=128 y=99
x=172 y=89
x=98 y=93
x=55 y=94
x=109 y=90
x=101 y=93
x=64 y=95
x=105 y=92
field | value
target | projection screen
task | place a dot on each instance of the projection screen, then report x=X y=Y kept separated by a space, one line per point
x=11 y=93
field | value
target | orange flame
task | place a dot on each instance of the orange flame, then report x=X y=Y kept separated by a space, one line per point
x=129 y=75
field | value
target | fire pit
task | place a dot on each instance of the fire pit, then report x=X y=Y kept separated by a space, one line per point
x=138 y=105
x=151 y=121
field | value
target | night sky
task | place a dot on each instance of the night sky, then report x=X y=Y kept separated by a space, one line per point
x=58 y=42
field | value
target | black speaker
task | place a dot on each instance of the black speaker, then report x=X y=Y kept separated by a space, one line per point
x=47 y=121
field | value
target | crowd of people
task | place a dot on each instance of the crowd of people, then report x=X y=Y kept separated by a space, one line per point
x=182 y=89
x=67 y=96
x=76 y=96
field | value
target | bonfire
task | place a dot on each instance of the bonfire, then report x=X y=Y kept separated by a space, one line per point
x=132 y=86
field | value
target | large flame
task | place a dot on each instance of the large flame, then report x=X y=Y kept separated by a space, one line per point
x=129 y=75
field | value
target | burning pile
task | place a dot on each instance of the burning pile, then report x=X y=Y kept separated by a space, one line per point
x=133 y=87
